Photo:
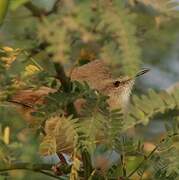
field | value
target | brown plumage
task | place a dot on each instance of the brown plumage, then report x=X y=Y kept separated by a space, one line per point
x=30 y=97
x=97 y=75
x=25 y=101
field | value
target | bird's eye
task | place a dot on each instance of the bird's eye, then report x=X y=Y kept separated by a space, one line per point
x=116 y=83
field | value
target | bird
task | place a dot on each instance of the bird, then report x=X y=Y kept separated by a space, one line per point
x=98 y=76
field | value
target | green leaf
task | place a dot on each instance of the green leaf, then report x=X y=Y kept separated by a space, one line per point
x=17 y=3
x=139 y=115
x=141 y=104
x=154 y=96
x=168 y=99
x=3 y=9
x=175 y=94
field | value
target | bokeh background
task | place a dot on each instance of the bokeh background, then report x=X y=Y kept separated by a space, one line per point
x=158 y=38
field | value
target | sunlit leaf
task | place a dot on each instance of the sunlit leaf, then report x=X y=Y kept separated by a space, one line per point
x=3 y=9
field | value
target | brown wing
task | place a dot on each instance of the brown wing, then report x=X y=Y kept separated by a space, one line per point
x=30 y=97
x=27 y=99
x=95 y=73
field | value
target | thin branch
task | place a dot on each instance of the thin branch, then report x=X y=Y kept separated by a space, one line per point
x=41 y=168
x=65 y=81
x=27 y=166
x=33 y=60
x=146 y=158
x=51 y=175
x=54 y=8
x=39 y=12
x=66 y=85
x=36 y=12
x=71 y=110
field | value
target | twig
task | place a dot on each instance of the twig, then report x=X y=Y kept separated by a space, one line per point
x=38 y=12
x=66 y=85
x=142 y=162
x=33 y=60
x=51 y=175
x=33 y=167
x=54 y=8
x=71 y=110
x=27 y=166
x=146 y=158
x=65 y=81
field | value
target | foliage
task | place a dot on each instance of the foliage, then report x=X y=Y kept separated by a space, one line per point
x=3 y=9
x=42 y=48
x=146 y=106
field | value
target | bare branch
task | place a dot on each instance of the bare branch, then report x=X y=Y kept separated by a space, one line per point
x=39 y=12
x=41 y=168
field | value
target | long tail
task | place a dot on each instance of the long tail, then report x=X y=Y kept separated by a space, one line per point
x=20 y=103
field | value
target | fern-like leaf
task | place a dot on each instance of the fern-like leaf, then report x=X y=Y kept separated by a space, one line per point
x=116 y=19
x=146 y=106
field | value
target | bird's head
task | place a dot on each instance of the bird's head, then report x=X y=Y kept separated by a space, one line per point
x=119 y=90
x=99 y=77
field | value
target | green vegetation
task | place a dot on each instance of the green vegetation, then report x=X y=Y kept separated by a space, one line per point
x=40 y=42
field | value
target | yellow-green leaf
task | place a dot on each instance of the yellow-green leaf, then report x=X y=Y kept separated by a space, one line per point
x=16 y=3
x=3 y=9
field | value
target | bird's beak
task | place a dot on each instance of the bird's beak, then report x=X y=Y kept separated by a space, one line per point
x=141 y=72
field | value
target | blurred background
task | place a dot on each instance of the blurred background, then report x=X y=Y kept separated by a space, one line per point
x=160 y=44
x=158 y=37
x=157 y=30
